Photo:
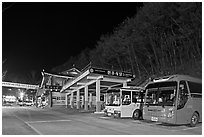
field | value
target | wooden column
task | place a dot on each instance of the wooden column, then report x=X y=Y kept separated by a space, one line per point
x=98 y=103
x=78 y=99
x=86 y=98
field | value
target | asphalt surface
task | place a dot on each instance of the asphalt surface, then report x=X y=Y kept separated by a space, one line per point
x=18 y=120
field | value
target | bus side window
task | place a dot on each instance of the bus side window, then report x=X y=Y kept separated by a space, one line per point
x=126 y=98
x=182 y=95
x=195 y=89
x=134 y=97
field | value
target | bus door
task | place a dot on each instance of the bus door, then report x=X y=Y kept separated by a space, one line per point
x=126 y=107
x=183 y=104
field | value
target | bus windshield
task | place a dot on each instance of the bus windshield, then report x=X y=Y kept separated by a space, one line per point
x=113 y=97
x=161 y=94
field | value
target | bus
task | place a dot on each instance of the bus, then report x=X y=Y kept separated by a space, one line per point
x=124 y=102
x=175 y=99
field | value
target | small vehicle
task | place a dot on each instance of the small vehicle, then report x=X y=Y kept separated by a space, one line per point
x=124 y=102
x=21 y=103
x=29 y=103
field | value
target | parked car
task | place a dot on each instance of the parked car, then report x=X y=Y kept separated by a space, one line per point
x=21 y=103
x=29 y=103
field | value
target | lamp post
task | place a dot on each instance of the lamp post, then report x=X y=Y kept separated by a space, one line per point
x=21 y=95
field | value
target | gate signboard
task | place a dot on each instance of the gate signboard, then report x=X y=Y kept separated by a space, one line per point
x=111 y=72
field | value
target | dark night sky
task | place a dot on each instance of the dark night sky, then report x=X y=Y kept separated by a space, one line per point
x=45 y=35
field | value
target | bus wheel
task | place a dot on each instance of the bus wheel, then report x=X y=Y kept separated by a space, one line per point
x=136 y=114
x=194 y=119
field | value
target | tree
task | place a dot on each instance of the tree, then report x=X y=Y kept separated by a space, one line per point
x=33 y=78
x=161 y=39
x=4 y=71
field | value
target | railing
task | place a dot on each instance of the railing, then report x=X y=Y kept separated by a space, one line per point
x=19 y=85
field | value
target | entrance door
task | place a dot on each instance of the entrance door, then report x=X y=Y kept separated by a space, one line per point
x=183 y=106
x=126 y=110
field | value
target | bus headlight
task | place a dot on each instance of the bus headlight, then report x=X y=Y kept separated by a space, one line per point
x=105 y=111
x=117 y=112
x=171 y=113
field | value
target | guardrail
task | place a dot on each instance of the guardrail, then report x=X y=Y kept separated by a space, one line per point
x=19 y=85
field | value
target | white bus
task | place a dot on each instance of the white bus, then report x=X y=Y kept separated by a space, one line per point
x=175 y=99
x=124 y=102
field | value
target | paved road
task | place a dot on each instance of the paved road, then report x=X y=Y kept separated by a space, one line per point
x=59 y=121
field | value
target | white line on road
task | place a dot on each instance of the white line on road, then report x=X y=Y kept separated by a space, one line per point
x=38 y=132
x=187 y=128
x=169 y=129
x=105 y=117
x=64 y=120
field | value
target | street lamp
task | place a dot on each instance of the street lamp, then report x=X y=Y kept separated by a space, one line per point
x=21 y=95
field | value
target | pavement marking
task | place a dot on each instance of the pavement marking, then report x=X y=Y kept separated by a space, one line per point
x=8 y=107
x=14 y=107
x=152 y=125
x=186 y=128
x=137 y=122
x=105 y=117
x=144 y=123
x=164 y=127
x=47 y=121
x=37 y=131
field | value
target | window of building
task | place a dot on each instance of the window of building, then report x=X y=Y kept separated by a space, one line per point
x=62 y=98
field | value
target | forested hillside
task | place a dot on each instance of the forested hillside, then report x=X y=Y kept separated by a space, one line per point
x=162 y=38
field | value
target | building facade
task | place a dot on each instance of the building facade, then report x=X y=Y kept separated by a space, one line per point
x=49 y=92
